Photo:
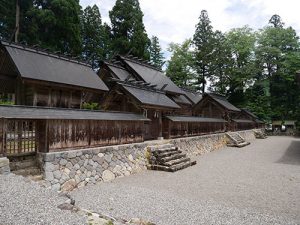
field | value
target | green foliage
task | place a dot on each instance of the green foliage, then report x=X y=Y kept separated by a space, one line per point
x=241 y=42
x=203 y=41
x=94 y=37
x=54 y=24
x=156 y=55
x=180 y=66
x=278 y=56
x=6 y=102
x=8 y=18
x=91 y=106
x=128 y=30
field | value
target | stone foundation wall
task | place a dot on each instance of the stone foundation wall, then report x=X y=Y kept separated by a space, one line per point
x=248 y=135
x=68 y=170
x=4 y=165
x=200 y=145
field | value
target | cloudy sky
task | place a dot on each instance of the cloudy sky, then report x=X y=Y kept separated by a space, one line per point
x=175 y=20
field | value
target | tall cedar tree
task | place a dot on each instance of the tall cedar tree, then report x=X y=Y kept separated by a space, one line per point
x=128 y=30
x=203 y=41
x=222 y=58
x=54 y=24
x=94 y=37
x=180 y=66
x=8 y=18
x=156 y=55
x=278 y=52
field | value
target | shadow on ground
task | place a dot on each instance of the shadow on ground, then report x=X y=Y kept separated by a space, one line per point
x=292 y=154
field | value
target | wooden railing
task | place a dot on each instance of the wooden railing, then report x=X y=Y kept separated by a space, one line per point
x=18 y=137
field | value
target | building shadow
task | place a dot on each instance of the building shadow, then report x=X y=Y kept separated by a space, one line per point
x=292 y=154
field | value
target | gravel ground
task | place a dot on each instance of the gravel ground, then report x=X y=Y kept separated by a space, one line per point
x=257 y=184
x=25 y=202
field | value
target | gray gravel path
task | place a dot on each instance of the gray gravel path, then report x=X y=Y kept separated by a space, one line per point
x=257 y=184
x=25 y=202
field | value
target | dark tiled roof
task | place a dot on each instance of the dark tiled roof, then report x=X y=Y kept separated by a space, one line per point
x=181 y=99
x=192 y=95
x=151 y=75
x=195 y=119
x=25 y=112
x=119 y=72
x=150 y=97
x=40 y=65
x=243 y=121
x=223 y=101
x=249 y=113
x=259 y=121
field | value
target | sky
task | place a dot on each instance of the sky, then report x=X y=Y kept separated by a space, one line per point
x=175 y=20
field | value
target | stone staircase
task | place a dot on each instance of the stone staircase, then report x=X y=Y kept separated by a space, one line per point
x=236 y=140
x=168 y=158
x=26 y=166
x=259 y=134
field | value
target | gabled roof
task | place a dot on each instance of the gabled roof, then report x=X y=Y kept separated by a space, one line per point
x=40 y=65
x=243 y=121
x=27 y=112
x=181 y=99
x=195 y=97
x=223 y=101
x=195 y=119
x=152 y=75
x=249 y=113
x=149 y=97
x=118 y=71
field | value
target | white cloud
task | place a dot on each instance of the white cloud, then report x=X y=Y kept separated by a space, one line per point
x=175 y=20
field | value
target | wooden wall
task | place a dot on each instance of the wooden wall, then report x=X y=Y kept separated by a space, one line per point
x=64 y=134
x=187 y=129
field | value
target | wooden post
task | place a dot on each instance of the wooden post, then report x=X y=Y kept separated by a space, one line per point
x=160 y=136
x=41 y=135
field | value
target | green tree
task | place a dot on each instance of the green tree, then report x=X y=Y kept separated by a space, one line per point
x=128 y=30
x=241 y=67
x=279 y=59
x=54 y=24
x=222 y=60
x=8 y=18
x=180 y=66
x=94 y=37
x=156 y=55
x=203 y=41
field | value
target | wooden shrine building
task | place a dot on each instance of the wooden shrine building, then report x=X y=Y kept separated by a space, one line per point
x=138 y=102
x=34 y=77
x=137 y=86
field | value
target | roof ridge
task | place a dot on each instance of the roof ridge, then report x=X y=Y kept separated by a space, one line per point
x=141 y=62
x=44 y=52
x=141 y=87
x=115 y=65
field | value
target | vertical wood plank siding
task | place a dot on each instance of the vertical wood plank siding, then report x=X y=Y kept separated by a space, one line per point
x=64 y=134
x=187 y=129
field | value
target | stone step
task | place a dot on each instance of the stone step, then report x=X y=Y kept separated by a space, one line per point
x=22 y=164
x=162 y=150
x=30 y=171
x=239 y=145
x=181 y=166
x=172 y=157
x=166 y=154
x=176 y=161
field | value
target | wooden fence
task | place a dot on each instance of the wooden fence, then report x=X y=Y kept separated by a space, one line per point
x=22 y=137
x=187 y=129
